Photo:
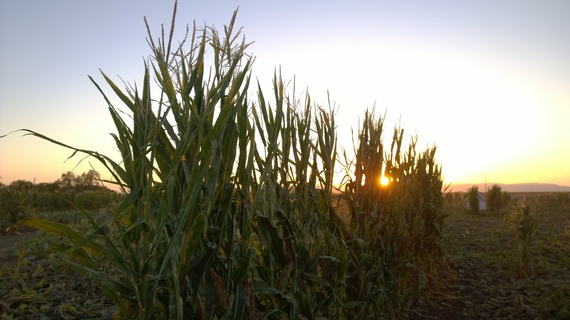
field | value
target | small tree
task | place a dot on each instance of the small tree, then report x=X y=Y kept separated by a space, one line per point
x=494 y=198
x=473 y=199
x=88 y=180
x=67 y=180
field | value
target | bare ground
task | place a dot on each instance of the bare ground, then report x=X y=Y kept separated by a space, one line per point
x=9 y=240
x=484 y=277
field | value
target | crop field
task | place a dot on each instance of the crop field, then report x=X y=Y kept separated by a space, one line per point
x=485 y=277
x=482 y=278
x=229 y=209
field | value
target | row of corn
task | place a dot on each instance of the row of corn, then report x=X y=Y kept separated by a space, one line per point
x=231 y=209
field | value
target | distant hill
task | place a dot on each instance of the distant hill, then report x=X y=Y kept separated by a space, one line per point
x=517 y=187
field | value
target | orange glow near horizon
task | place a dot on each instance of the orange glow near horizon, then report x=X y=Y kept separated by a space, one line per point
x=384 y=181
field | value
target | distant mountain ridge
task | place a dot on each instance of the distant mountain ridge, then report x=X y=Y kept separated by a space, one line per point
x=515 y=187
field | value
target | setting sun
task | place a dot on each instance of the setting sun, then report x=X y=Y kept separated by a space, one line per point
x=384 y=181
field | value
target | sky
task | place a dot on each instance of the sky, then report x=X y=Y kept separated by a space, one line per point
x=487 y=82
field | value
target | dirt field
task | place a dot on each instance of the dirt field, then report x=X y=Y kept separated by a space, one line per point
x=484 y=277
x=36 y=285
x=9 y=241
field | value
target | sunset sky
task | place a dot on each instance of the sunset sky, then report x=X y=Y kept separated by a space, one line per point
x=488 y=82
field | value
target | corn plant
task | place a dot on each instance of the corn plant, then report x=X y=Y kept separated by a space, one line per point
x=209 y=225
x=473 y=199
x=524 y=225
x=296 y=166
x=396 y=229
x=172 y=246
x=228 y=208
x=494 y=198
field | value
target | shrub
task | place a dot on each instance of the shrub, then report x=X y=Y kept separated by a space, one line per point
x=16 y=202
x=96 y=199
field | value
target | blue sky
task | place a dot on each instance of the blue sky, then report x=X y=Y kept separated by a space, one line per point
x=488 y=82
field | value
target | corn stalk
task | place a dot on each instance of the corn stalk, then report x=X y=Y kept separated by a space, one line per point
x=228 y=200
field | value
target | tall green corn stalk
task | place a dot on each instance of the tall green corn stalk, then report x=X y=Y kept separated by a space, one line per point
x=228 y=200
x=302 y=256
x=395 y=244
x=177 y=246
x=211 y=225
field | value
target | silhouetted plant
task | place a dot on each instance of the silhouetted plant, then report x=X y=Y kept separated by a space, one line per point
x=494 y=198
x=473 y=199
x=525 y=224
x=228 y=209
x=388 y=264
